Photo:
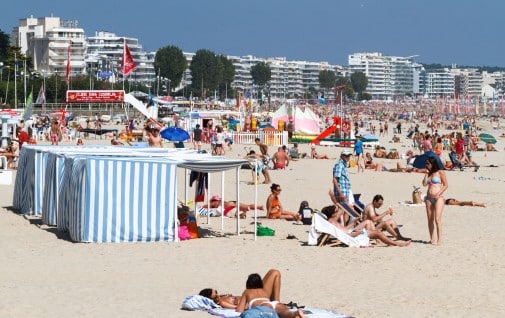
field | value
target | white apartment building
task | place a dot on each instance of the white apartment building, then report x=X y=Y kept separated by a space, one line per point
x=47 y=41
x=440 y=83
x=290 y=79
x=105 y=53
x=388 y=76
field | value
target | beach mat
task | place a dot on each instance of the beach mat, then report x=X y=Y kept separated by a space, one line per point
x=308 y=312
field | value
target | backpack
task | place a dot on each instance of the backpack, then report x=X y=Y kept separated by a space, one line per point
x=306 y=213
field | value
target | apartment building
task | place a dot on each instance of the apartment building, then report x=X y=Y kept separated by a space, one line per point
x=48 y=41
x=389 y=77
x=290 y=79
x=105 y=53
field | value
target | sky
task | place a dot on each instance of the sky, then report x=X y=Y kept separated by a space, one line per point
x=461 y=32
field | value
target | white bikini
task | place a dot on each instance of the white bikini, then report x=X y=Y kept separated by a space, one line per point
x=272 y=303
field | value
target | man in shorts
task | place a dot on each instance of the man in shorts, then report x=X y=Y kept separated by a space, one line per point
x=197 y=138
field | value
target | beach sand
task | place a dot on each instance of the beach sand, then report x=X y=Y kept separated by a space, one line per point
x=44 y=274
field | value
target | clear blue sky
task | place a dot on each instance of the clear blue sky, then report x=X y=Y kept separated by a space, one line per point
x=464 y=32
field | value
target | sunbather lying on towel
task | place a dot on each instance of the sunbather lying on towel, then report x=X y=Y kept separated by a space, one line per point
x=225 y=301
x=451 y=201
x=334 y=214
x=266 y=292
x=215 y=202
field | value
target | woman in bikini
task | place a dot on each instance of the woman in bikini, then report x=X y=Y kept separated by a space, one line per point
x=275 y=209
x=265 y=292
x=436 y=181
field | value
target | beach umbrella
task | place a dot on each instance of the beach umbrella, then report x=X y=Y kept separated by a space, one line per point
x=420 y=161
x=369 y=137
x=175 y=134
x=487 y=138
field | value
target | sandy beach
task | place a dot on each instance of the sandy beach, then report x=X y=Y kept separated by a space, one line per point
x=44 y=274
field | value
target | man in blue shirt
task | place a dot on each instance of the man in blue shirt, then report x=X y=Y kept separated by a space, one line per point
x=341 y=182
x=358 y=151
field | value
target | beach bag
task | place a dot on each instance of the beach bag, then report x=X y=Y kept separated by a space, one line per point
x=259 y=312
x=264 y=231
x=305 y=213
x=184 y=233
x=416 y=196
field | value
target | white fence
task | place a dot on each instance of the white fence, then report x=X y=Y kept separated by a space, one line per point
x=274 y=138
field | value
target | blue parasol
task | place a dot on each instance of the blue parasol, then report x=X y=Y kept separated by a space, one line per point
x=420 y=161
x=175 y=134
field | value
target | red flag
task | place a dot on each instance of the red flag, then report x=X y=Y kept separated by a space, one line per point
x=127 y=64
x=68 y=63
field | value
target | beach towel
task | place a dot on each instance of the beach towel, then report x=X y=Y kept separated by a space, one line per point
x=308 y=312
x=197 y=302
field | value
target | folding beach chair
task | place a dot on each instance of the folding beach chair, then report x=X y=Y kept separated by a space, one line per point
x=455 y=162
x=321 y=227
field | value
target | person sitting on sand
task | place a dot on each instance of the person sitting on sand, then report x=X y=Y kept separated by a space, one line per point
x=266 y=292
x=378 y=218
x=396 y=138
x=452 y=201
x=379 y=152
x=315 y=155
x=294 y=153
x=373 y=166
x=334 y=214
x=490 y=147
x=275 y=209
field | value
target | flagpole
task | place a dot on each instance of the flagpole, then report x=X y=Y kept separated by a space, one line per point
x=15 y=81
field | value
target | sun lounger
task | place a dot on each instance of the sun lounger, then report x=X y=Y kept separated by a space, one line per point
x=321 y=226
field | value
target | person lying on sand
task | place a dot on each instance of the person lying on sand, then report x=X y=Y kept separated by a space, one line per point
x=451 y=201
x=226 y=301
x=215 y=202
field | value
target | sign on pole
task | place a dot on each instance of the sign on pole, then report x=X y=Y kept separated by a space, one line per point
x=111 y=96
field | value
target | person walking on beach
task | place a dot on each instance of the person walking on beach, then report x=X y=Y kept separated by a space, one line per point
x=436 y=181
x=358 y=151
x=341 y=182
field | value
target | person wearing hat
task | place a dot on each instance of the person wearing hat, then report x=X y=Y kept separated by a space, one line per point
x=358 y=151
x=341 y=182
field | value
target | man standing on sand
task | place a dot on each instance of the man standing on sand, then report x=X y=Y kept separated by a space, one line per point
x=280 y=159
x=341 y=182
x=197 y=137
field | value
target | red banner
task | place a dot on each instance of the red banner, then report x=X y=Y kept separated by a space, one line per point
x=95 y=96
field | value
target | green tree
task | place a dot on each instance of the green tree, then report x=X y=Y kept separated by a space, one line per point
x=261 y=74
x=359 y=82
x=228 y=77
x=327 y=79
x=171 y=63
x=346 y=82
x=206 y=71
x=4 y=45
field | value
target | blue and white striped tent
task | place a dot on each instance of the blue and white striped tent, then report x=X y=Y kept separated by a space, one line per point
x=119 y=199
x=32 y=167
x=120 y=196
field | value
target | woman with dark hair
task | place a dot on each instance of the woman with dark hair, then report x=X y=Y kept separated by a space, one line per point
x=265 y=292
x=275 y=209
x=225 y=301
x=436 y=181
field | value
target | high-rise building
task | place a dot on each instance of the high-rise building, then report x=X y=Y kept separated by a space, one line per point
x=105 y=53
x=48 y=41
